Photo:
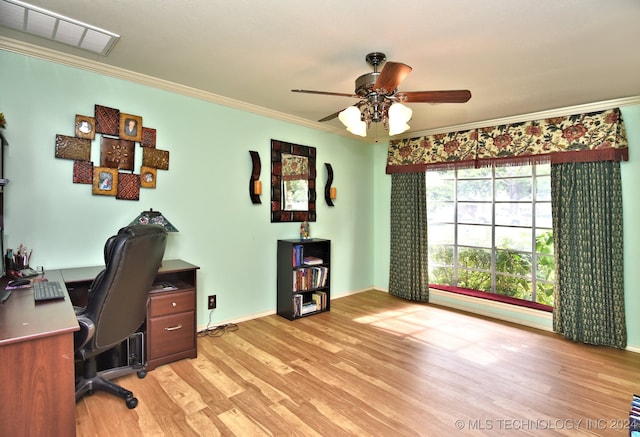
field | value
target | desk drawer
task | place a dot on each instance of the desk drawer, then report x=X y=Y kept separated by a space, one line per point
x=163 y=304
x=171 y=334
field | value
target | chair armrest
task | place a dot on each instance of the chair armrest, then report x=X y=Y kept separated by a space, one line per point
x=82 y=337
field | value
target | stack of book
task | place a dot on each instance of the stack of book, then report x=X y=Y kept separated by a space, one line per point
x=309 y=278
x=634 y=417
x=318 y=302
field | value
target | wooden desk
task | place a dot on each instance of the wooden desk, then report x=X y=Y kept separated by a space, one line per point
x=37 y=378
x=36 y=349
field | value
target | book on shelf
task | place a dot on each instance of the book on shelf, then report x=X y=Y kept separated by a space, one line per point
x=308 y=307
x=312 y=260
x=297 y=256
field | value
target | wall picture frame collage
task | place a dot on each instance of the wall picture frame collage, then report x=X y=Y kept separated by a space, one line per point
x=117 y=134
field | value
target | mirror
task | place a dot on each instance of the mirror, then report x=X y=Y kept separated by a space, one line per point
x=293 y=182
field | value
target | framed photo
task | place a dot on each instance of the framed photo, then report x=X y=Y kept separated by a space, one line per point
x=85 y=127
x=130 y=127
x=105 y=181
x=148 y=177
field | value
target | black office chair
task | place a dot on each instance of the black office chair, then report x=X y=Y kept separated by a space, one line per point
x=116 y=307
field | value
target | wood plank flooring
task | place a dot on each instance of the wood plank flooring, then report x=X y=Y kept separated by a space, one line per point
x=377 y=365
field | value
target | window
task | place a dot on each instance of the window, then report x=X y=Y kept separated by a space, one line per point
x=490 y=232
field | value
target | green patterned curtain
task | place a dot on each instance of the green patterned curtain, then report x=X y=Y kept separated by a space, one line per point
x=408 y=269
x=587 y=228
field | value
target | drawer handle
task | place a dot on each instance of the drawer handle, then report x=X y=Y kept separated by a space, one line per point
x=173 y=304
x=173 y=328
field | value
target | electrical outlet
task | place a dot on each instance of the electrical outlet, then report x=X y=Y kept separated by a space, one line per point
x=212 y=301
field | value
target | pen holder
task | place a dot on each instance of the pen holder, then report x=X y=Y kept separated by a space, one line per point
x=8 y=263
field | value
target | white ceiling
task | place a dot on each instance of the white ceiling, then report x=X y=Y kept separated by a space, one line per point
x=516 y=56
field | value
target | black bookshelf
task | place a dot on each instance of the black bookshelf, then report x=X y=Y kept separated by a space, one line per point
x=304 y=287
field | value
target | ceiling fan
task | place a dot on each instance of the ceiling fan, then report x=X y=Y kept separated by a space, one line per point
x=380 y=100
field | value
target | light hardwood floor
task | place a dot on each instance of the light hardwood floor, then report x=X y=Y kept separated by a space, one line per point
x=377 y=365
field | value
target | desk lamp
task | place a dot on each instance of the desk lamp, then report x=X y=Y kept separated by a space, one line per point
x=152 y=217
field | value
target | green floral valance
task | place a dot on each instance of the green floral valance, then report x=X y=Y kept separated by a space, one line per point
x=596 y=136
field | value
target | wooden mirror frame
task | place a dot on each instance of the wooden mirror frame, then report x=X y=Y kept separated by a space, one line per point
x=278 y=215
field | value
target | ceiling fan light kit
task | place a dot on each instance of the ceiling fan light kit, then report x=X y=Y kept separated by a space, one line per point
x=380 y=101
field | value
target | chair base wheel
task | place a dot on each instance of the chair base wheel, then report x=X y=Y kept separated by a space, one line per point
x=131 y=403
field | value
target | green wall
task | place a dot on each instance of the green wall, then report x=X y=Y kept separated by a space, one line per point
x=204 y=193
x=631 y=204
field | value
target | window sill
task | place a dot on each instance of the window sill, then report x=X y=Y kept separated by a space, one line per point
x=493 y=297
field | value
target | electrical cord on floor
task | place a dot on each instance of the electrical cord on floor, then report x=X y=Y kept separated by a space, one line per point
x=217 y=331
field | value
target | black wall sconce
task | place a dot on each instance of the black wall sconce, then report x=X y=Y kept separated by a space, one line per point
x=329 y=191
x=255 y=185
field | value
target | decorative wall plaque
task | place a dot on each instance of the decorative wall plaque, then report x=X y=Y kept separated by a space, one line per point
x=128 y=186
x=82 y=172
x=78 y=149
x=116 y=153
x=148 y=137
x=120 y=132
x=155 y=158
x=107 y=120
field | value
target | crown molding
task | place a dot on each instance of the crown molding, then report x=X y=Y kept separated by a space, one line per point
x=23 y=48
x=559 y=112
x=34 y=51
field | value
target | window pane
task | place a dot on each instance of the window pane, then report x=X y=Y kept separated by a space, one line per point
x=474 y=235
x=543 y=169
x=544 y=241
x=513 y=263
x=519 y=288
x=440 y=234
x=545 y=268
x=513 y=189
x=543 y=215
x=476 y=189
x=513 y=214
x=474 y=280
x=474 y=212
x=442 y=276
x=440 y=189
x=482 y=224
x=513 y=170
x=544 y=293
x=440 y=255
x=440 y=212
x=543 y=188
x=467 y=173
x=513 y=238
x=474 y=258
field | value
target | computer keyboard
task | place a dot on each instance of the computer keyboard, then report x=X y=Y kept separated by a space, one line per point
x=48 y=290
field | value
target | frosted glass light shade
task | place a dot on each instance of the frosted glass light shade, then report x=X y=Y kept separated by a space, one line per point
x=399 y=115
x=351 y=118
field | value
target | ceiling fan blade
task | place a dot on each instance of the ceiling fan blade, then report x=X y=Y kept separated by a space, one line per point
x=390 y=77
x=447 y=96
x=330 y=117
x=326 y=93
